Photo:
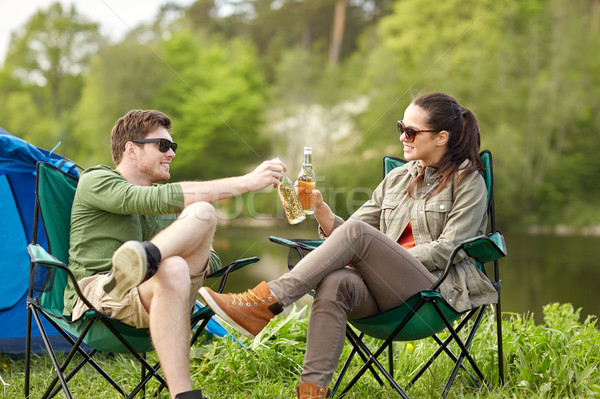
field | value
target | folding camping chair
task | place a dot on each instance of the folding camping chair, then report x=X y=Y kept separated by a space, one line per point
x=426 y=313
x=49 y=275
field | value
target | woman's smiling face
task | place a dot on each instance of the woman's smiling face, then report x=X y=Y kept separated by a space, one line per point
x=427 y=147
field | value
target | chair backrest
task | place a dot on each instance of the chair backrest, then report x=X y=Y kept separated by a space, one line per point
x=55 y=191
x=390 y=163
x=54 y=200
x=428 y=322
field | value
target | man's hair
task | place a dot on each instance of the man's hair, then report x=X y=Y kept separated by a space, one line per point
x=135 y=125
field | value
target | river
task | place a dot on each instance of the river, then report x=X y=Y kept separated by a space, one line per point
x=538 y=270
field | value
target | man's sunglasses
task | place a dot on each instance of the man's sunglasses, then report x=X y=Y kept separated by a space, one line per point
x=163 y=144
x=410 y=132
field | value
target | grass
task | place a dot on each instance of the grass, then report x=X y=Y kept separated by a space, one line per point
x=558 y=358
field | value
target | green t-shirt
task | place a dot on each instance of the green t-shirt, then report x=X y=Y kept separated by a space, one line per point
x=108 y=211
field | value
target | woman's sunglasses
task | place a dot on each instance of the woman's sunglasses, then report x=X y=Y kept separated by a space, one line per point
x=410 y=132
x=163 y=144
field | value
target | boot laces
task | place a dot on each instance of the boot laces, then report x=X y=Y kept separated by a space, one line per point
x=248 y=297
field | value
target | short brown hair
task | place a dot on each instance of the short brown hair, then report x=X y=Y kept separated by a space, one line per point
x=134 y=125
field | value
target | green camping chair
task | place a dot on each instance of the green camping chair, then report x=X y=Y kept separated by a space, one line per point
x=94 y=331
x=425 y=314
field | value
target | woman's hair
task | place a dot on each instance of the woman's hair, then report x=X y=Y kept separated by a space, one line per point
x=134 y=125
x=445 y=113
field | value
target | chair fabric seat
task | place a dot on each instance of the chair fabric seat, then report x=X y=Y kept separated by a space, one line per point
x=424 y=324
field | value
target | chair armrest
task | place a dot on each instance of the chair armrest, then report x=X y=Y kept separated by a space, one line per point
x=233 y=266
x=306 y=244
x=39 y=256
x=482 y=248
x=486 y=248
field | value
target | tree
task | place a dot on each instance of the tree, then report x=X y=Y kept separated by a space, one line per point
x=51 y=53
x=520 y=65
x=121 y=77
x=276 y=26
x=215 y=94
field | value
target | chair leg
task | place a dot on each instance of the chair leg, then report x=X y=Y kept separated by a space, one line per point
x=355 y=349
x=87 y=357
x=27 y=352
x=391 y=358
x=142 y=377
x=500 y=350
x=354 y=340
x=443 y=347
x=371 y=359
x=464 y=349
x=343 y=371
x=53 y=358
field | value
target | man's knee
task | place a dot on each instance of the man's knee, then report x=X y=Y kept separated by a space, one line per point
x=174 y=275
x=202 y=211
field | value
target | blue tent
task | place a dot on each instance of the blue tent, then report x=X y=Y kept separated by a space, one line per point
x=17 y=197
x=18 y=160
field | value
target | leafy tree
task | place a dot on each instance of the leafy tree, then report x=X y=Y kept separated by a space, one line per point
x=50 y=54
x=517 y=64
x=215 y=94
x=121 y=77
x=276 y=26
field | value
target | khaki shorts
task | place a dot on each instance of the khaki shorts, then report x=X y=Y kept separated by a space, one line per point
x=130 y=310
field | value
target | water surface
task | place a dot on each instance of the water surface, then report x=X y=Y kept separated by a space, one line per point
x=538 y=270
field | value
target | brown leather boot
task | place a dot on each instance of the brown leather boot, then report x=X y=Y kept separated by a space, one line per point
x=308 y=390
x=248 y=312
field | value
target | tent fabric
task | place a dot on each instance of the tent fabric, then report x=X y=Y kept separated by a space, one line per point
x=18 y=160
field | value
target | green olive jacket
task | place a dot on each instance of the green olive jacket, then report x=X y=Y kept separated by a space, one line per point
x=439 y=222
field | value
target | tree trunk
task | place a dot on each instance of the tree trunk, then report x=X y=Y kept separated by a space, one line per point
x=337 y=31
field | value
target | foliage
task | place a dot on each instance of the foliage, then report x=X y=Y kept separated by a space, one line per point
x=514 y=64
x=43 y=73
x=555 y=359
x=113 y=86
x=51 y=52
x=215 y=96
x=245 y=80
x=275 y=26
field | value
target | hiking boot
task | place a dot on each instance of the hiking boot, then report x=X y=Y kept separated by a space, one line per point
x=248 y=312
x=308 y=390
x=195 y=394
x=129 y=269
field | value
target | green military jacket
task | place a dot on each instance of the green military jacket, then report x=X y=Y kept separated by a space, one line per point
x=439 y=223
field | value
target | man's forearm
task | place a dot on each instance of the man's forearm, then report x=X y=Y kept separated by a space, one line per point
x=214 y=190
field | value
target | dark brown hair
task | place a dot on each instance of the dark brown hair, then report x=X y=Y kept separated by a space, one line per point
x=445 y=113
x=134 y=125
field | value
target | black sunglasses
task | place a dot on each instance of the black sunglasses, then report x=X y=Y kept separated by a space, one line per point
x=163 y=144
x=410 y=132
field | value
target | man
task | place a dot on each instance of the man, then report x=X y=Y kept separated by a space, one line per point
x=133 y=260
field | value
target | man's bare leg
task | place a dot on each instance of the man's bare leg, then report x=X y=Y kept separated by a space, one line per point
x=184 y=247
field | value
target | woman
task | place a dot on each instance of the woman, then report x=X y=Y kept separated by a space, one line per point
x=394 y=246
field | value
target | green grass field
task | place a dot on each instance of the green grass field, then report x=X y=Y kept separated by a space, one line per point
x=557 y=359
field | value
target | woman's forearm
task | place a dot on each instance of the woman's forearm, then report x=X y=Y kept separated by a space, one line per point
x=325 y=216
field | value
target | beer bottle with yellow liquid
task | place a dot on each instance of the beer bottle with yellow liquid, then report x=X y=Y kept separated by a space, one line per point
x=289 y=200
x=306 y=182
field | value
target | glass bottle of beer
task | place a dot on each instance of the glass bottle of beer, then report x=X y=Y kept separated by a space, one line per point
x=289 y=200
x=306 y=182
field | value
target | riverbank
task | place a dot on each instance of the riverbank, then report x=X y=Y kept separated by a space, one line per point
x=564 y=230
x=268 y=220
